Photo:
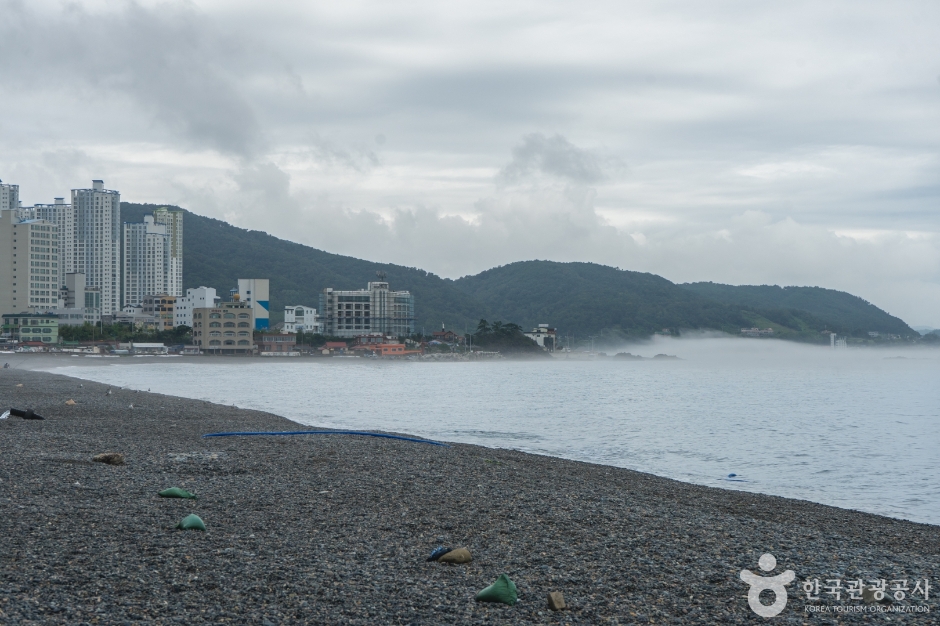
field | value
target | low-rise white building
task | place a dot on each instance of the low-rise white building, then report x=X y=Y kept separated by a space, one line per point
x=544 y=336
x=301 y=318
x=198 y=298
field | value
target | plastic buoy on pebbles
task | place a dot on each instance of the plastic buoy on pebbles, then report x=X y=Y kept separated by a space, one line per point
x=503 y=590
x=111 y=458
x=438 y=553
x=460 y=555
x=176 y=492
x=191 y=522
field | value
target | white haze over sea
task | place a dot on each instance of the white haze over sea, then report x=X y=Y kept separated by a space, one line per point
x=853 y=428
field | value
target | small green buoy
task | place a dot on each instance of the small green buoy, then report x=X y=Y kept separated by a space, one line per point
x=176 y=492
x=191 y=522
x=503 y=590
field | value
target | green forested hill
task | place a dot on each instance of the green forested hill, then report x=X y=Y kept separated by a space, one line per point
x=852 y=314
x=586 y=298
x=217 y=254
x=578 y=299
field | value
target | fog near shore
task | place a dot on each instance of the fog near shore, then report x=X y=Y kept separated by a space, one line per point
x=721 y=349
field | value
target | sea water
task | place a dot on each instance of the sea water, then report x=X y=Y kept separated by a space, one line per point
x=857 y=429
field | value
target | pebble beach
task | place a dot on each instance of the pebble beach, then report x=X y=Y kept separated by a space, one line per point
x=336 y=529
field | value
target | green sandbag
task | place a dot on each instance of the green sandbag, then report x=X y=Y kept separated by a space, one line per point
x=503 y=590
x=176 y=492
x=191 y=522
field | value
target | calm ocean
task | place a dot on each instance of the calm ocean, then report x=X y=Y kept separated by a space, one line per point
x=856 y=429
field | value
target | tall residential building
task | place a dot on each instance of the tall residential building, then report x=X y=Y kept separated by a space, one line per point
x=224 y=329
x=96 y=243
x=372 y=310
x=29 y=264
x=173 y=220
x=198 y=298
x=63 y=216
x=255 y=291
x=9 y=196
x=146 y=245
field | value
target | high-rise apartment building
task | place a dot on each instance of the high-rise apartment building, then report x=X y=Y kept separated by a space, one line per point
x=29 y=263
x=153 y=257
x=372 y=310
x=173 y=271
x=96 y=242
x=63 y=216
x=9 y=196
x=146 y=245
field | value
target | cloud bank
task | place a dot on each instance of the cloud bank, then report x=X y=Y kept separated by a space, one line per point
x=734 y=142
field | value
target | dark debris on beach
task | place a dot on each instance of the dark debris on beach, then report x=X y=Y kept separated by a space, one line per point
x=337 y=529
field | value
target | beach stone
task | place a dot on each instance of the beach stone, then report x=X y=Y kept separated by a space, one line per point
x=556 y=601
x=70 y=402
x=111 y=458
x=460 y=555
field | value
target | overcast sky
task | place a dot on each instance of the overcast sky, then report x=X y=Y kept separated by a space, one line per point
x=789 y=143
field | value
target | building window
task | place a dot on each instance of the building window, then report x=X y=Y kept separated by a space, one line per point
x=230 y=324
x=215 y=324
x=215 y=342
x=243 y=316
x=243 y=342
x=243 y=324
x=229 y=342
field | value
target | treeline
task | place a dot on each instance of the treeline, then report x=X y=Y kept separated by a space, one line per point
x=125 y=333
x=502 y=337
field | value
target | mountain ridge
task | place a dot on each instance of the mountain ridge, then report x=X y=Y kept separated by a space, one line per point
x=577 y=298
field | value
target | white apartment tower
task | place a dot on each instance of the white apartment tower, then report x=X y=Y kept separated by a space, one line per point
x=146 y=247
x=29 y=263
x=96 y=242
x=173 y=272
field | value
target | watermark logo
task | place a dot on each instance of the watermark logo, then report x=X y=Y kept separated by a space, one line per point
x=777 y=584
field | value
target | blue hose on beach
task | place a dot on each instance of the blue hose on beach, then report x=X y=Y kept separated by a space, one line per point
x=327 y=432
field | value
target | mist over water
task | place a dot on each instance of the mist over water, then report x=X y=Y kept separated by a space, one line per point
x=854 y=428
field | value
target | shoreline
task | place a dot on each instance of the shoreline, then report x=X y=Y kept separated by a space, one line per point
x=337 y=529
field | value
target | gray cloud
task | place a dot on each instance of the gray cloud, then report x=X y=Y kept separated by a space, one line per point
x=767 y=143
x=551 y=156
x=169 y=61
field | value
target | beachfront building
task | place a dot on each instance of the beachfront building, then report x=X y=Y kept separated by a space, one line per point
x=544 y=336
x=162 y=307
x=375 y=309
x=29 y=263
x=32 y=328
x=254 y=291
x=198 y=298
x=301 y=318
x=224 y=329
x=277 y=344
x=95 y=245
